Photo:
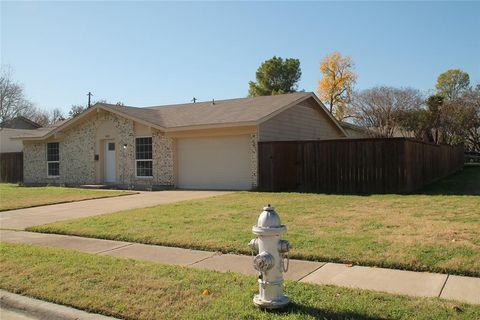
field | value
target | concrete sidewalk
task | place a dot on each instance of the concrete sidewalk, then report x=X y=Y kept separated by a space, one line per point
x=422 y=284
x=24 y=218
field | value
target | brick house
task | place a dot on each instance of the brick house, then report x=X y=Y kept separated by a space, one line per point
x=203 y=145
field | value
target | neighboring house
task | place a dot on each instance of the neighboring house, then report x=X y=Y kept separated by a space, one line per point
x=20 y=122
x=7 y=144
x=356 y=132
x=207 y=145
x=12 y=128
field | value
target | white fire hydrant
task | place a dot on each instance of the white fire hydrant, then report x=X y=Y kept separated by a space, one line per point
x=270 y=260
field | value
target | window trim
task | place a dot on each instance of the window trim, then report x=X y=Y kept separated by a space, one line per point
x=137 y=160
x=48 y=162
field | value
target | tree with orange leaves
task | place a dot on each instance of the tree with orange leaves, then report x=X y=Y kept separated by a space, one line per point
x=337 y=83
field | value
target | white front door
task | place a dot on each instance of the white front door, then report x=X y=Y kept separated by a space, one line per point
x=110 y=175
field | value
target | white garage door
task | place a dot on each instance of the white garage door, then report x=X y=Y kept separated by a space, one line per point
x=214 y=163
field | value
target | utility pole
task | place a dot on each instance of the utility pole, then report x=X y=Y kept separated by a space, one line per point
x=89 y=94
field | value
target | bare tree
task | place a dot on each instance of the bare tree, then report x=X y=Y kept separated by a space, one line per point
x=13 y=102
x=40 y=116
x=416 y=122
x=381 y=108
x=75 y=110
x=472 y=98
x=451 y=121
x=57 y=115
x=460 y=120
x=44 y=117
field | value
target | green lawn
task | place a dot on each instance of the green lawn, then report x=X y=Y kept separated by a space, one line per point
x=432 y=232
x=13 y=196
x=141 y=290
x=465 y=182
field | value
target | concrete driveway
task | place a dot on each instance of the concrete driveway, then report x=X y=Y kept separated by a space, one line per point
x=24 y=218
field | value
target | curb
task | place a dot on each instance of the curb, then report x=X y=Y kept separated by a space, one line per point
x=45 y=310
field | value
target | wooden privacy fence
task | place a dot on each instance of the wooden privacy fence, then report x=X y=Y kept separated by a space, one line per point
x=361 y=166
x=11 y=167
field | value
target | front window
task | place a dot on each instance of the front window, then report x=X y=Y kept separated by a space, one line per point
x=53 y=159
x=143 y=156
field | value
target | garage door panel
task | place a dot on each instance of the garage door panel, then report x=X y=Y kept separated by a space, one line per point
x=214 y=163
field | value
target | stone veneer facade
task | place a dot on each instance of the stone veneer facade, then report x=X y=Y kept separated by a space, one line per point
x=80 y=144
x=254 y=160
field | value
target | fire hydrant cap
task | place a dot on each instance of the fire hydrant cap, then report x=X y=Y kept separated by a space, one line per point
x=269 y=223
x=269 y=218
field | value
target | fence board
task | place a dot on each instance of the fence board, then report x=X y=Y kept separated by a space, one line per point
x=11 y=167
x=395 y=165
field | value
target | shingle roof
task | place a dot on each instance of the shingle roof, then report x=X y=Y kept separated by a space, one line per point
x=40 y=132
x=232 y=112
x=240 y=110
x=20 y=122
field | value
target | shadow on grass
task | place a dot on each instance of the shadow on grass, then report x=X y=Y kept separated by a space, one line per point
x=317 y=313
x=465 y=182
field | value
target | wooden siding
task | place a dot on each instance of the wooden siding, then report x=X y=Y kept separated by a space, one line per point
x=305 y=121
x=355 y=166
x=355 y=134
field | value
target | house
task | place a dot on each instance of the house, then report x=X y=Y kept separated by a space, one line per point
x=20 y=122
x=356 y=132
x=12 y=128
x=7 y=144
x=203 y=145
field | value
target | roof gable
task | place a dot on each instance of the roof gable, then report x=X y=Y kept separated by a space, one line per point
x=20 y=122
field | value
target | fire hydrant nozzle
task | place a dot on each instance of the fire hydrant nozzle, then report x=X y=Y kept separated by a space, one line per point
x=269 y=260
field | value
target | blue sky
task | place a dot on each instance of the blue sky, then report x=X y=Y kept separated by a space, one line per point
x=152 y=53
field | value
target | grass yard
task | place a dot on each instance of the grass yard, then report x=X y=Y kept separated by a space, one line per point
x=141 y=290
x=13 y=196
x=435 y=231
x=465 y=182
